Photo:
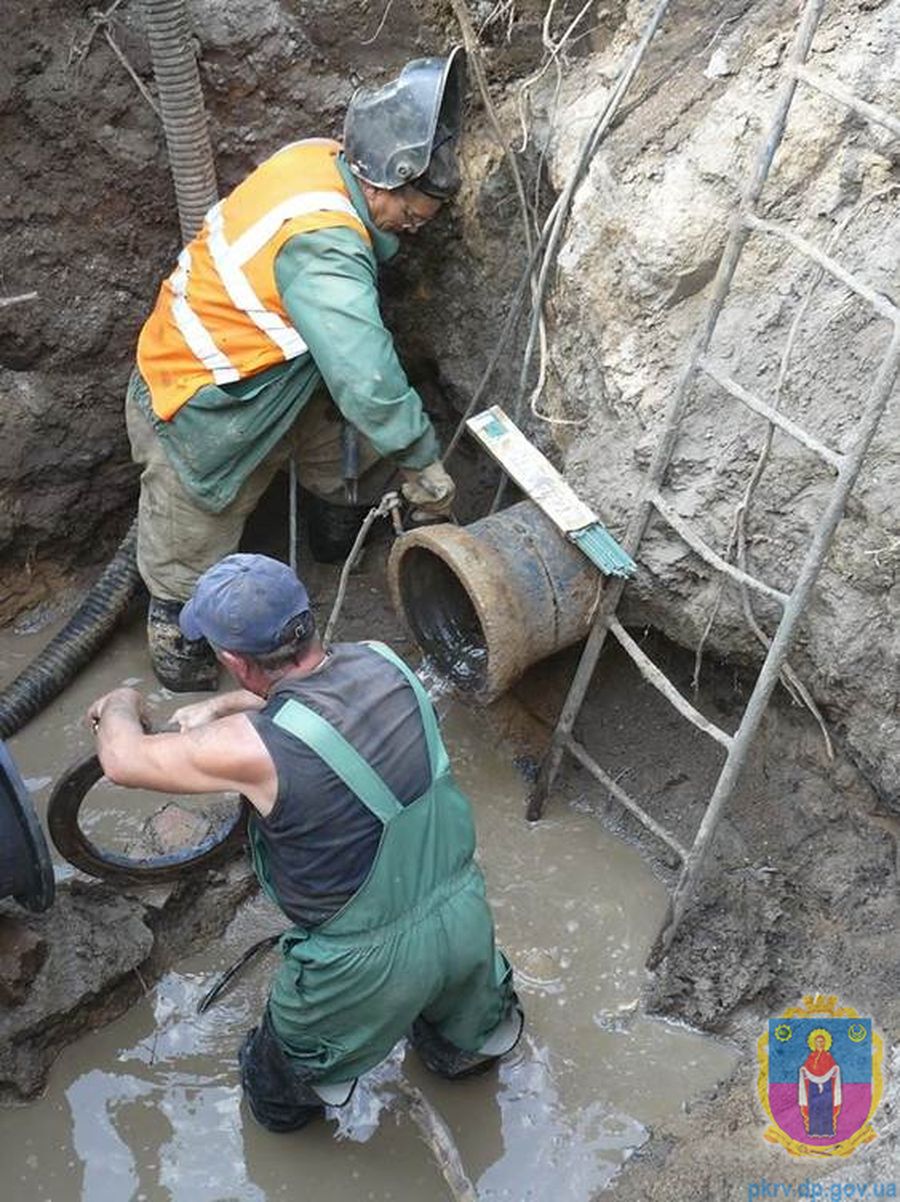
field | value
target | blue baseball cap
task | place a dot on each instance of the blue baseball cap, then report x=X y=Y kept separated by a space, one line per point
x=245 y=603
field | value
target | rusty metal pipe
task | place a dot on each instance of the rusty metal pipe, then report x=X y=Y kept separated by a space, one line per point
x=486 y=601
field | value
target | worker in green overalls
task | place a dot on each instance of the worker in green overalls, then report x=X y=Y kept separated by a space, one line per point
x=359 y=833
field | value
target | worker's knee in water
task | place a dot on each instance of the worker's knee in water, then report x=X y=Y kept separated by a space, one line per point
x=444 y=1058
x=278 y=1099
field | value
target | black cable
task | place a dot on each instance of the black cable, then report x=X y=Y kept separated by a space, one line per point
x=212 y=994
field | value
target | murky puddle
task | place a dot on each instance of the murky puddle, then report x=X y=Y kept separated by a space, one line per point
x=148 y=1108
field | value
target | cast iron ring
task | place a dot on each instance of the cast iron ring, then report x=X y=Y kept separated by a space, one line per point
x=72 y=843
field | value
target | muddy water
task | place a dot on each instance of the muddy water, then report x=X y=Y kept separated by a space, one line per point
x=149 y=1108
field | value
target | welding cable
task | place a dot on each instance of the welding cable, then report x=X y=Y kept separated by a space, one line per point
x=556 y=221
x=544 y=252
x=211 y=995
x=501 y=346
x=388 y=506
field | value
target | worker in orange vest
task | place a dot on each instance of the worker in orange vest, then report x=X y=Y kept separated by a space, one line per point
x=268 y=333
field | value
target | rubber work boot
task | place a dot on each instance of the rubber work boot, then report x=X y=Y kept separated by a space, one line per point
x=332 y=529
x=182 y=665
x=278 y=1099
x=447 y=1060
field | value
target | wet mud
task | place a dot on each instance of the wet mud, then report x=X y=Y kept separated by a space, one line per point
x=610 y=1094
x=149 y=1106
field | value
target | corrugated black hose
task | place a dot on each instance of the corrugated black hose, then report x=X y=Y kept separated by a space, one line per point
x=193 y=171
x=67 y=653
x=183 y=112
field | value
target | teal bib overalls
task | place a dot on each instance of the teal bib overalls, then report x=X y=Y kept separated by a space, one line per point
x=416 y=941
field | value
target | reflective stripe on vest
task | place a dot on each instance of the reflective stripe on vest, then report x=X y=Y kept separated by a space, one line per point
x=192 y=340
x=192 y=329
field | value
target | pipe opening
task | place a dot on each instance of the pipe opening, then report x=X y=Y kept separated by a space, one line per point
x=443 y=619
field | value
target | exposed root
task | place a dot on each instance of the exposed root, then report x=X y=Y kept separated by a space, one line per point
x=101 y=20
x=437 y=1136
x=381 y=23
x=529 y=222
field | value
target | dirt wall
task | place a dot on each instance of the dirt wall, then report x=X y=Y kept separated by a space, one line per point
x=647 y=230
x=88 y=222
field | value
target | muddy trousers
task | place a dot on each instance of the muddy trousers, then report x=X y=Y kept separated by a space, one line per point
x=178 y=539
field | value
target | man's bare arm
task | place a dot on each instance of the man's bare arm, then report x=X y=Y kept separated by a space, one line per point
x=198 y=713
x=226 y=755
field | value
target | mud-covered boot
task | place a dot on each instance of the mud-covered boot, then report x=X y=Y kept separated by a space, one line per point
x=182 y=665
x=332 y=529
x=448 y=1061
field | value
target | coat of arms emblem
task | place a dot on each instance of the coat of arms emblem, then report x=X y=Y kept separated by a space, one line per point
x=820 y=1078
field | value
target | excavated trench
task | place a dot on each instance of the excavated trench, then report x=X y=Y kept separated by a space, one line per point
x=124 y=1111
x=613 y=1093
x=148 y=1105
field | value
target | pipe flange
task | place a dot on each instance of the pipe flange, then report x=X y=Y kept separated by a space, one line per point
x=72 y=843
x=495 y=603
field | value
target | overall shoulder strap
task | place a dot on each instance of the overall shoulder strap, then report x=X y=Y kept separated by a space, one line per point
x=340 y=756
x=437 y=753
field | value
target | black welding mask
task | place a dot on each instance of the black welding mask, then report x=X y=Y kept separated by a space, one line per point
x=406 y=131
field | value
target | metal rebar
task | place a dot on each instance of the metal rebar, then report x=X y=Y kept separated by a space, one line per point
x=587 y=761
x=880 y=303
x=574 y=700
x=655 y=676
x=775 y=416
x=293 y=514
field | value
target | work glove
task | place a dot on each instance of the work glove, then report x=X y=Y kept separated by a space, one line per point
x=430 y=491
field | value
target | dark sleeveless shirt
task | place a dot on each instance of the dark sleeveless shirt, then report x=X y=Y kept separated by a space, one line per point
x=321 y=840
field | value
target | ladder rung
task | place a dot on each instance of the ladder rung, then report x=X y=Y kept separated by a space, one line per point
x=660 y=681
x=880 y=303
x=775 y=416
x=837 y=91
x=622 y=797
x=705 y=551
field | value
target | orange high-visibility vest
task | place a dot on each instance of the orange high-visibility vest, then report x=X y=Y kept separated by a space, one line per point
x=218 y=317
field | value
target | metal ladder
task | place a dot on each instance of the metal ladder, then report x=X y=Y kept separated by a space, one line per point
x=652 y=504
